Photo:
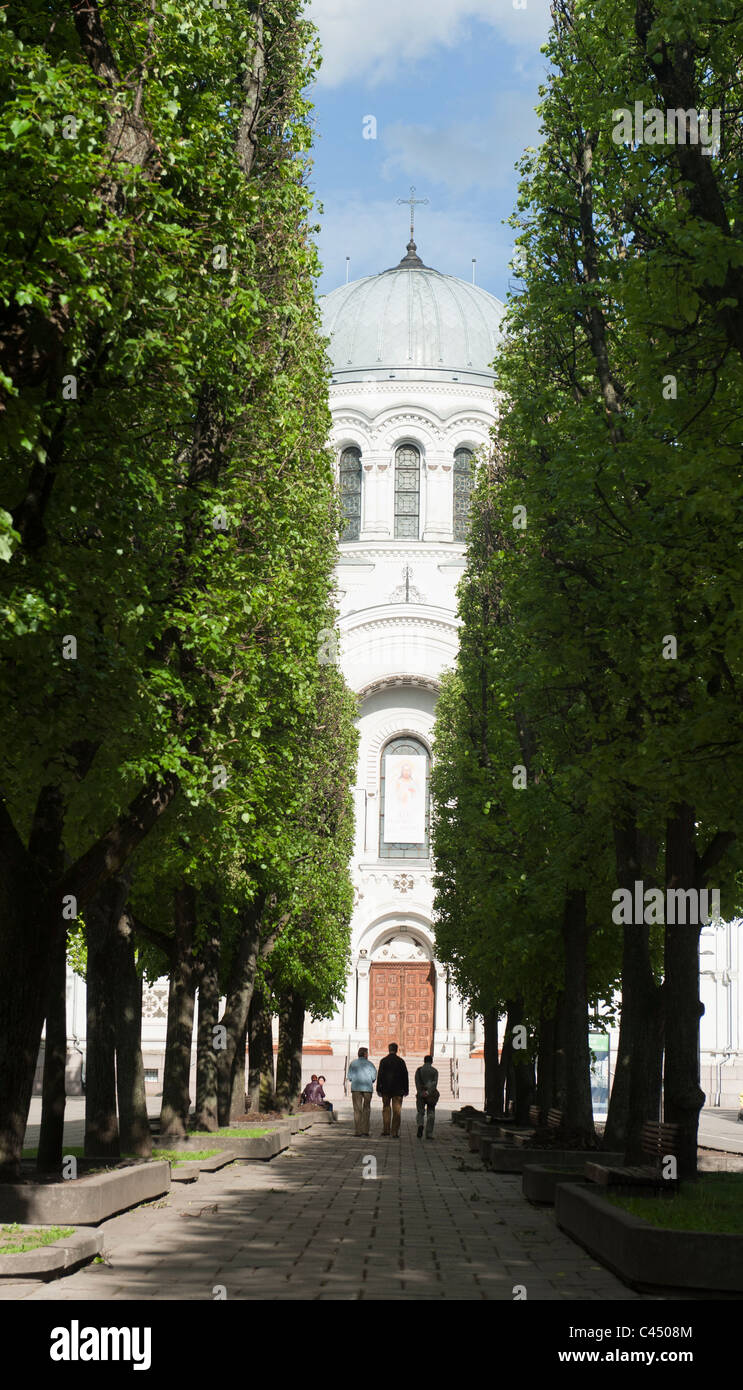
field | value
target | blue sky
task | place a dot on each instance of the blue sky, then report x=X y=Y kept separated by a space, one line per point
x=452 y=85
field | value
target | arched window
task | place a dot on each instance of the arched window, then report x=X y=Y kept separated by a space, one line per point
x=404 y=811
x=407 y=491
x=350 y=494
x=463 y=484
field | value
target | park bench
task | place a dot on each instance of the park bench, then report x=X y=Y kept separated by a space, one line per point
x=658 y=1141
x=518 y=1138
x=553 y=1122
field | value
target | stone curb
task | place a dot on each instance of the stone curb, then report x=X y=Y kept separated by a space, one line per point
x=192 y=1168
x=512 y=1158
x=645 y=1255
x=49 y=1261
x=240 y=1146
x=540 y=1181
x=84 y=1201
x=315 y=1117
x=719 y=1161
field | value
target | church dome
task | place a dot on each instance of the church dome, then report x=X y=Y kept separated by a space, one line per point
x=412 y=323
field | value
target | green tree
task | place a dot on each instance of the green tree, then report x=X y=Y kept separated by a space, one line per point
x=167 y=475
x=619 y=439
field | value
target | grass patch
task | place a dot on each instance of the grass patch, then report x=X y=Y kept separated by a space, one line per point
x=96 y=1164
x=229 y=1133
x=177 y=1156
x=14 y=1239
x=714 y=1203
x=68 y=1153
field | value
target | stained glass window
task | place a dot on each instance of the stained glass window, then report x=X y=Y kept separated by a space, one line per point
x=404 y=796
x=463 y=484
x=351 y=494
x=407 y=491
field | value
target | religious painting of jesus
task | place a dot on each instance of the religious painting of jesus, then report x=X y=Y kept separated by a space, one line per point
x=405 y=799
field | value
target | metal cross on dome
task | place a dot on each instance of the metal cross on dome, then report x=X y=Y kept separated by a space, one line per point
x=413 y=203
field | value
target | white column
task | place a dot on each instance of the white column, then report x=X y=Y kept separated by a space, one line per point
x=362 y=1009
x=440 y=1016
x=372 y=823
x=438 y=514
x=359 y=797
x=375 y=508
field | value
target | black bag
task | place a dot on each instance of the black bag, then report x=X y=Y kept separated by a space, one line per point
x=431 y=1096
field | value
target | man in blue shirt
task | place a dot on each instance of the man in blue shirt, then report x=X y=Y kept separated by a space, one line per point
x=362 y=1074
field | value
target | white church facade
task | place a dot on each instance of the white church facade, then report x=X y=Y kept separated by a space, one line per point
x=412 y=401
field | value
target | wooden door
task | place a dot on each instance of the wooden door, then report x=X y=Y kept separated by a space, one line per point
x=417 y=1039
x=401 y=1005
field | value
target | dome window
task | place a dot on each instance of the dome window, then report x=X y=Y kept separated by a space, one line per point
x=463 y=484
x=350 y=494
x=407 y=492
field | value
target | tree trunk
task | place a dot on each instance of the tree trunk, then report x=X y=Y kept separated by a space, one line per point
x=523 y=1085
x=206 y=1051
x=260 y=1054
x=239 y=1099
x=176 y=1099
x=560 y=1088
x=636 y=1086
x=683 y=1096
x=546 y=1062
x=289 y=1060
x=506 y=1076
x=29 y=917
x=235 y=1016
x=134 y=1124
x=51 y=1137
x=578 y=1111
x=493 y=1077
x=101 y=1123
x=24 y=966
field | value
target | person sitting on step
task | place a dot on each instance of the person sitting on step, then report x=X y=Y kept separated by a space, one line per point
x=313 y=1093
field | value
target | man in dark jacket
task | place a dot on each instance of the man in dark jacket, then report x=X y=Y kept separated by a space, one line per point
x=392 y=1086
x=426 y=1095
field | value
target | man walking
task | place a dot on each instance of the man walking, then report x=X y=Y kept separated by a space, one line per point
x=362 y=1074
x=392 y=1086
x=426 y=1095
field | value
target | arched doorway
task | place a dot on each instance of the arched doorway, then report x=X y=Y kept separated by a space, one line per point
x=402 y=992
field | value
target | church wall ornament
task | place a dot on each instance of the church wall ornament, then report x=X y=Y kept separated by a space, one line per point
x=418 y=549
x=350 y=434
x=404 y=883
x=155 y=1001
x=421 y=389
x=416 y=926
x=395 y=682
x=390 y=878
x=400 y=949
x=406 y=592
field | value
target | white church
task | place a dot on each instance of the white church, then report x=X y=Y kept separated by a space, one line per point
x=411 y=397
x=412 y=400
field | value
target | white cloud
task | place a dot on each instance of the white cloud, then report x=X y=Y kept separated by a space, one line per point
x=374 y=234
x=372 y=40
x=464 y=155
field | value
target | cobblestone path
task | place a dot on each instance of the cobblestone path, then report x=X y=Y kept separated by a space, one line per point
x=308 y=1225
